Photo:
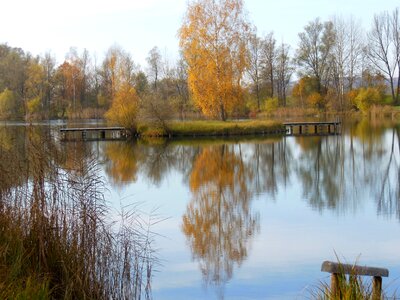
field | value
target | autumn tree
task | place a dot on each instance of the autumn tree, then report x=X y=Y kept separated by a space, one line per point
x=346 y=57
x=384 y=48
x=48 y=62
x=396 y=42
x=117 y=69
x=314 y=52
x=13 y=64
x=213 y=40
x=34 y=87
x=141 y=83
x=182 y=96
x=124 y=108
x=8 y=104
x=304 y=88
x=268 y=58
x=255 y=66
x=68 y=80
x=154 y=61
x=283 y=72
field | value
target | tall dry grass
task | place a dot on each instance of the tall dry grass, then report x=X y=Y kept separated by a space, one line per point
x=60 y=239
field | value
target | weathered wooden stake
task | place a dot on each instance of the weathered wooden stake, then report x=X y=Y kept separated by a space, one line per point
x=337 y=269
x=335 y=285
x=376 y=288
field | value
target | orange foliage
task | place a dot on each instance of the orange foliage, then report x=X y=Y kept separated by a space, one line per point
x=304 y=88
x=122 y=162
x=213 y=40
x=71 y=81
x=315 y=100
x=124 y=108
x=218 y=222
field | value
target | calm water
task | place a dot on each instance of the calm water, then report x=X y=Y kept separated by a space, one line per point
x=249 y=218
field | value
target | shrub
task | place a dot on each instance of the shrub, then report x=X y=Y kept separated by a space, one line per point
x=315 y=100
x=7 y=104
x=351 y=97
x=367 y=97
x=33 y=105
x=270 y=105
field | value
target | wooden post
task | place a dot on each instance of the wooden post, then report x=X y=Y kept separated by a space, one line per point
x=335 y=285
x=329 y=128
x=103 y=134
x=337 y=269
x=300 y=130
x=316 y=129
x=376 y=288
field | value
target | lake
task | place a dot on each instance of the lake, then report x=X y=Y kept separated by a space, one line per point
x=247 y=218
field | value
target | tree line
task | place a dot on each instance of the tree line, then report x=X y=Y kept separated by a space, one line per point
x=225 y=70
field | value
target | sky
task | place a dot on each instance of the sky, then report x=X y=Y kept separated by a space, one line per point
x=138 y=25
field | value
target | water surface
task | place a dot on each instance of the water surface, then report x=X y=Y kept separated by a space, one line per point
x=249 y=218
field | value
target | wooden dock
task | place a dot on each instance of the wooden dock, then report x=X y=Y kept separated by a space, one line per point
x=95 y=133
x=312 y=128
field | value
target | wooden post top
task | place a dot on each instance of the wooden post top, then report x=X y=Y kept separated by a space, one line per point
x=332 y=267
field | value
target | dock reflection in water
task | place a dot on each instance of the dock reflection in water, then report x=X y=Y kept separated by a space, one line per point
x=254 y=218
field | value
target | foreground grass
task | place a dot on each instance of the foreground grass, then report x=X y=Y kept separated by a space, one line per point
x=349 y=289
x=59 y=239
x=213 y=128
x=350 y=284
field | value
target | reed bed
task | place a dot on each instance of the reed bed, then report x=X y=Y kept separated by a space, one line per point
x=59 y=239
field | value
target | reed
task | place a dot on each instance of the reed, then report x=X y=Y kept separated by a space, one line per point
x=59 y=238
x=351 y=287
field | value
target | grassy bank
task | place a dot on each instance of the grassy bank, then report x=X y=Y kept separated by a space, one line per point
x=212 y=128
x=384 y=111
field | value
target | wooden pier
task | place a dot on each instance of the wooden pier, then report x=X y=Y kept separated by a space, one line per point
x=312 y=128
x=95 y=133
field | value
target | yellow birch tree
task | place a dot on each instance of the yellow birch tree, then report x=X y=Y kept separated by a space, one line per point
x=124 y=108
x=213 y=39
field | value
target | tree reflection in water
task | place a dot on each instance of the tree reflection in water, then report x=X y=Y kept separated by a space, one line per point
x=334 y=173
x=218 y=222
x=122 y=162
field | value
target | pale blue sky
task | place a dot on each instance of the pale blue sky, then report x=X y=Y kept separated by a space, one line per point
x=137 y=26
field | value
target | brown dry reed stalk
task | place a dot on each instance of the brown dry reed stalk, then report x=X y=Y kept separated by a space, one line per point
x=59 y=239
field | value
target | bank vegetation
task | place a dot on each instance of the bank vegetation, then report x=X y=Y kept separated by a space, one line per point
x=226 y=71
